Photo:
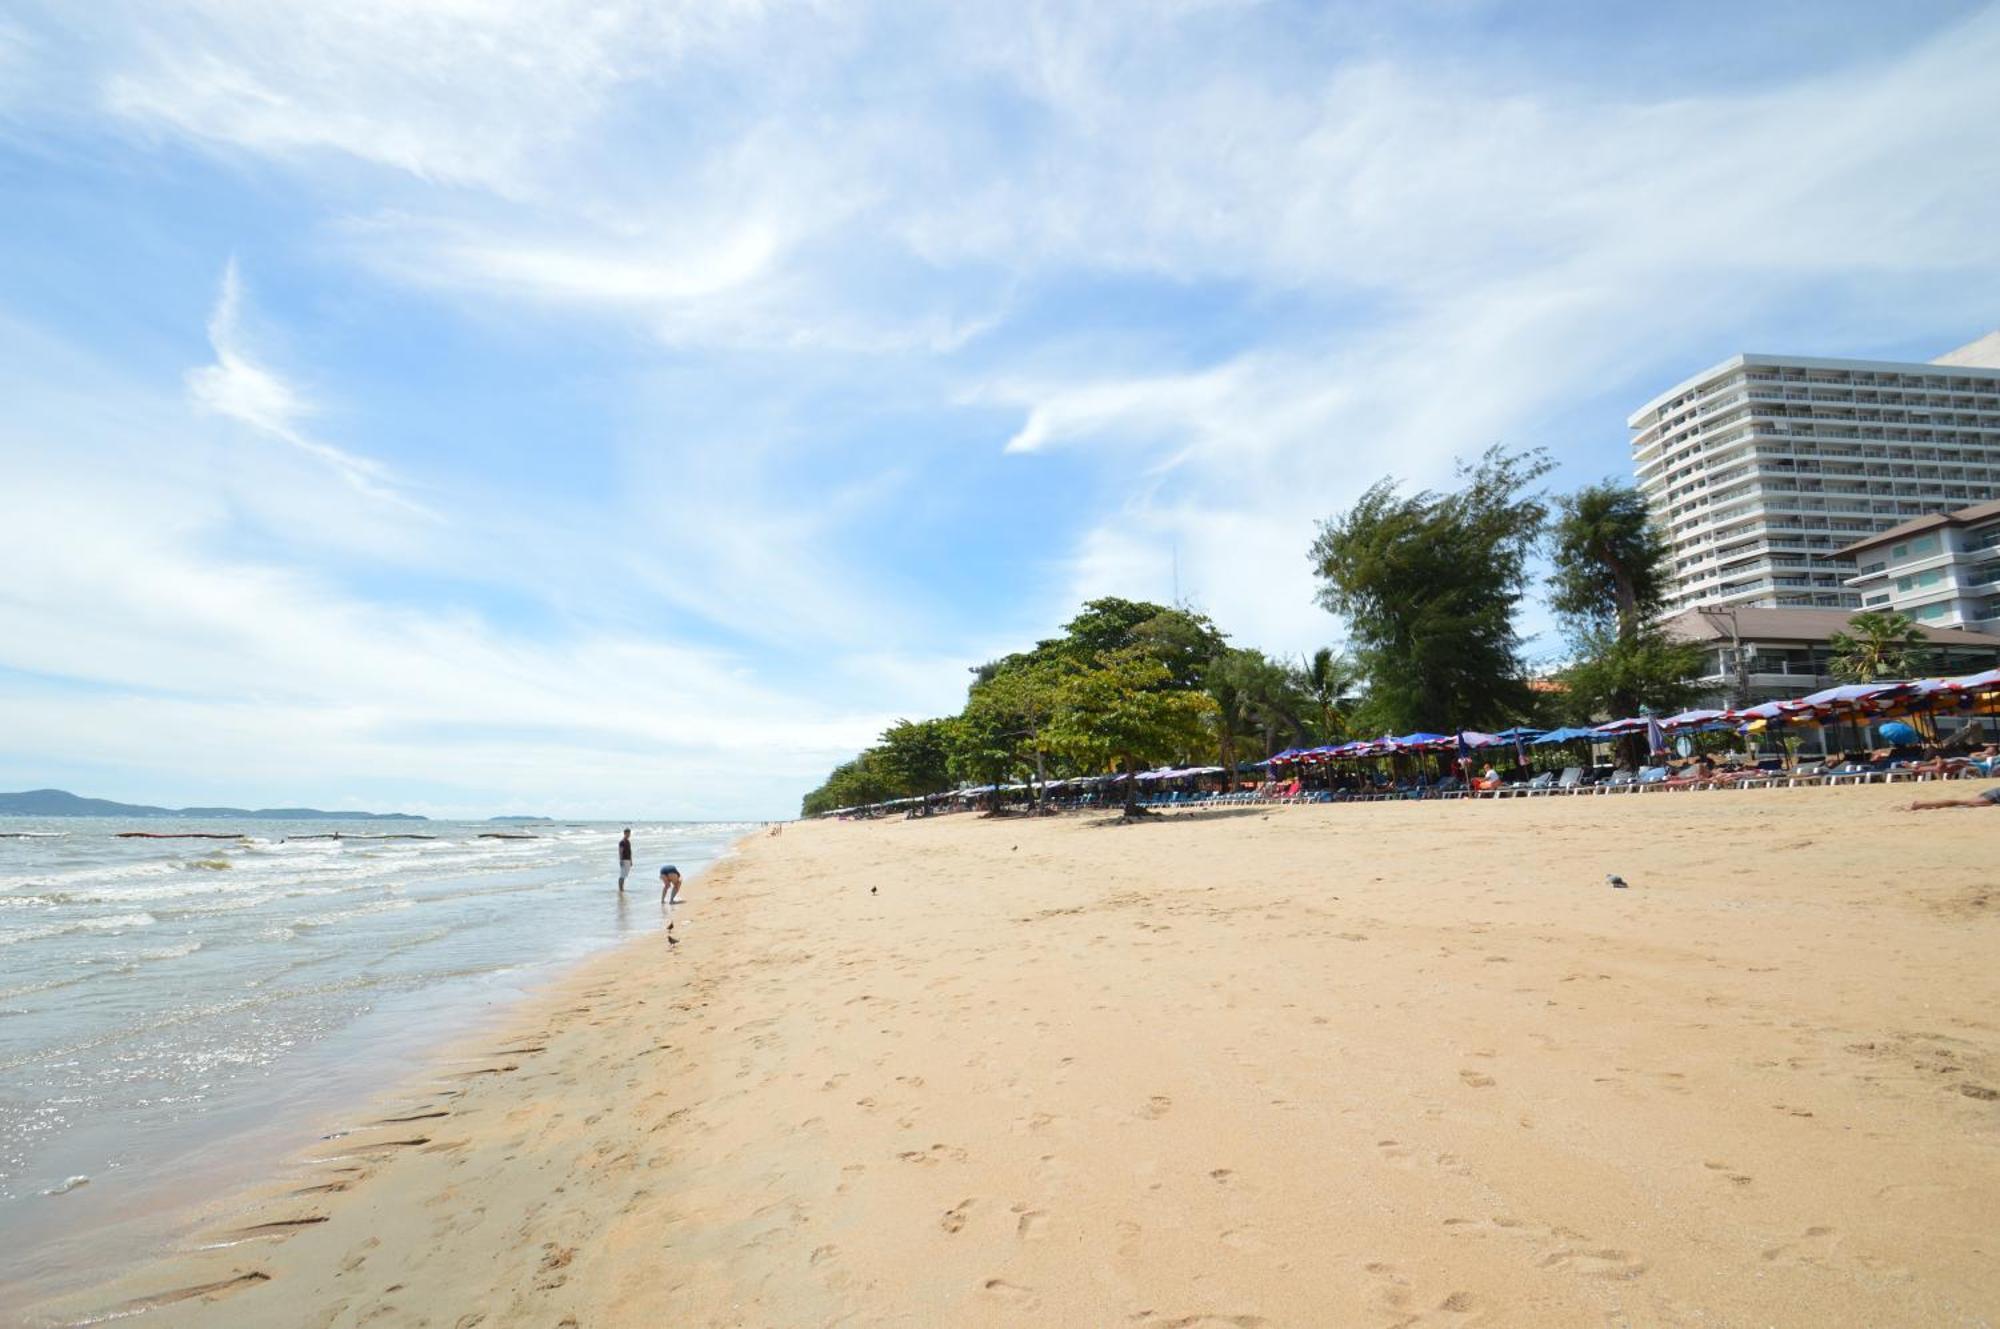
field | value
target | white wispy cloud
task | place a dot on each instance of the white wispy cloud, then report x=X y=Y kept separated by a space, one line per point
x=456 y=92
x=239 y=387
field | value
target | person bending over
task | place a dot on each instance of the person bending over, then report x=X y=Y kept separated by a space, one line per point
x=670 y=895
x=1986 y=798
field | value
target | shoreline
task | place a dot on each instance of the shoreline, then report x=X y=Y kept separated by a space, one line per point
x=180 y=1196
x=1393 y=1063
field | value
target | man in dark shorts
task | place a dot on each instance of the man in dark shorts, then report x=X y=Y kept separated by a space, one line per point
x=1986 y=798
x=624 y=859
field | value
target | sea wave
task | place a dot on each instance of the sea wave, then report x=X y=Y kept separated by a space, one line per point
x=342 y=915
x=114 y=923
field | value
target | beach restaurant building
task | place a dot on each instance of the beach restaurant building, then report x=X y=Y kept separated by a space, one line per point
x=1758 y=655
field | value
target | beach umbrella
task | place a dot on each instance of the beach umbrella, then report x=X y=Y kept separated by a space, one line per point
x=1853 y=696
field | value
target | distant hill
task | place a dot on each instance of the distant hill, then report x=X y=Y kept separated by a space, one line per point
x=519 y=818
x=62 y=803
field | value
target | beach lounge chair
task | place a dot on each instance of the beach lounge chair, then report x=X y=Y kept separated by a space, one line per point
x=1569 y=781
x=1541 y=784
x=1621 y=782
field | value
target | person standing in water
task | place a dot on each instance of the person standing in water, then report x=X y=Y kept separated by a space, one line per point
x=624 y=859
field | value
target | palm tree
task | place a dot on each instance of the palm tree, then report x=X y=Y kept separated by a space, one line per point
x=1879 y=644
x=1231 y=716
x=1329 y=676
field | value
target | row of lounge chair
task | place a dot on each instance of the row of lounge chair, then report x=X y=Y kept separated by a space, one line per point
x=1573 y=780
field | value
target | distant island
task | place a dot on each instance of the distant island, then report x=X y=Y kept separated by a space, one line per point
x=62 y=803
x=518 y=818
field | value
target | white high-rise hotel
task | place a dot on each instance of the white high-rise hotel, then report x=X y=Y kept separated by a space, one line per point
x=1765 y=466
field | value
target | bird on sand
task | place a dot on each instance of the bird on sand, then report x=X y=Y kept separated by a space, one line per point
x=1615 y=880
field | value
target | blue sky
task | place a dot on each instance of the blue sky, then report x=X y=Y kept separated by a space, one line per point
x=629 y=408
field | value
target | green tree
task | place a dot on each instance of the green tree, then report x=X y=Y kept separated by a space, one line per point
x=859 y=783
x=1254 y=695
x=1610 y=559
x=915 y=756
x=1006 y=719
x=1879 y=644
x=1275 y=698
x=1125 y=710
x=1616 y=676
x=1429 y=583
x=1181 y=639
x=1233 y=688
x=1327 y=679
x=1609 y=583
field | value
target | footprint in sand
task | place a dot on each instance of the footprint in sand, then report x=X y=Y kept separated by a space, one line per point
x=553 y=1263
x=1029 y=1223
x=1159 y=1105
x=1473 y=1079
x=953 y=1220
x=1813 y=1246
x=1012 y=1293
x=1737 y=1178
x=1605 y=1262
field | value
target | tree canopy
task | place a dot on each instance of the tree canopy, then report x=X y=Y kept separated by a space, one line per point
x=1429 y=584
x=915 y=756
x=1608 y=585
x=1126 y=710
x=1610 y=560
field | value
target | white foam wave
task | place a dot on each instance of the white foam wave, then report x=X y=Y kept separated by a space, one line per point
x=114 y=923
x=342 y=915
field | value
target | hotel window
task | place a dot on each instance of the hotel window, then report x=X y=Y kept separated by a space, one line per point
x=1924 y=547
x=1936 y=610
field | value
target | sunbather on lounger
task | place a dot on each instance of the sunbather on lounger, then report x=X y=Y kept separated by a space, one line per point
x=1985 y=798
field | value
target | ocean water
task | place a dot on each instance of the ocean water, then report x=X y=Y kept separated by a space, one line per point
x=175 y=1012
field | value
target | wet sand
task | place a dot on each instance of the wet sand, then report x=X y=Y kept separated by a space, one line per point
x=1393 y=1064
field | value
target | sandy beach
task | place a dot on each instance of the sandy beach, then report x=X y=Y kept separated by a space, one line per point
x=1391 y=1064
